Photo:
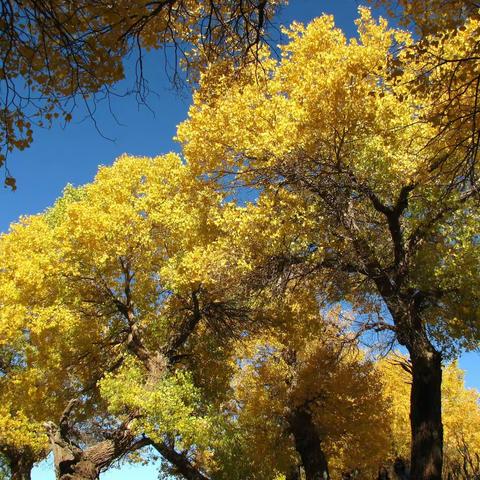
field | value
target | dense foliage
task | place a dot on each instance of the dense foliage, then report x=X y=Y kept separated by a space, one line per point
x=309 y=333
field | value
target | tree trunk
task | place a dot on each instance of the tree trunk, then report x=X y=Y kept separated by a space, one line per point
x=73 y=462
x=81 y=470
x=426 y=455
x=308 y=445
x=294 y=474
x=21 y=464
x=21 y=471
x=426 y=413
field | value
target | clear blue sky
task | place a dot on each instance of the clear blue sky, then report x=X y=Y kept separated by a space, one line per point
x=72 y=155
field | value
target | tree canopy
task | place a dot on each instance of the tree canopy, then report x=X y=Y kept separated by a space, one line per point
x=57 y=55
x=308 y=333
x=391 y=217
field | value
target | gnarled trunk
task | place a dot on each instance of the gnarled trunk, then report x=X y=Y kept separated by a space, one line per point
x=73 y=462
x=81 y=470
x=308 y=444
x=76 y=464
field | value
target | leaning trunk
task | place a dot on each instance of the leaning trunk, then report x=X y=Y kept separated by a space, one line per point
x=308 y=445
x=426 y=414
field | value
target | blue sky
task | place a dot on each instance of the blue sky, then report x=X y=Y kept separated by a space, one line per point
x=72 y=155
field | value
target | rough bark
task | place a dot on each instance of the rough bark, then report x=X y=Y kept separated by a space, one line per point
x=426 y=460
x=73 y=462
x=20 y=463
x=308 y=444
x=426 y=415
x=425 y=397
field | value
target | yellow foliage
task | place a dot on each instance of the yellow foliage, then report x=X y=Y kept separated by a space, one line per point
x=142 y=234
x=331 y=134
x=326 y=99
x=54 y=53
x=306 y=363
x=170 y=407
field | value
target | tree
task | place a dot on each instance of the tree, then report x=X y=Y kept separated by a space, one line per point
x=26 y=400
x=445 y=70
x=22 y=439
x=109 y=287
x=307 y=388
x=432 y=16
x=340 y=155
x=58 y=54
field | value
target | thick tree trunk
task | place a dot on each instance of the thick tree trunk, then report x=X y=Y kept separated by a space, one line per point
x=83 y=465
x=308 y=445
x=426 y=458
x=75 y=463
x=426 y=414
x=81 y=470
x=21 y=464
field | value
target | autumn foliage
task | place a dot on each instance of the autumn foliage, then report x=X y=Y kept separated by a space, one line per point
x=311 y=332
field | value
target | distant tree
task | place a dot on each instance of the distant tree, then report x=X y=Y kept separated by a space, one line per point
x=307 y=397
